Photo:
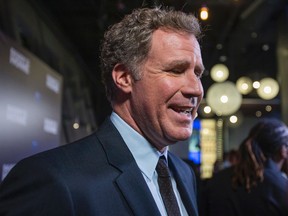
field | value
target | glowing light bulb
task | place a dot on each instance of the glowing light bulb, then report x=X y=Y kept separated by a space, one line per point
x=224 y=99
x=207 y=109
x=256 y=84
x=267 y=89
x=219 y=72
x=76 y=125
x=233 y=119
x=204 y=13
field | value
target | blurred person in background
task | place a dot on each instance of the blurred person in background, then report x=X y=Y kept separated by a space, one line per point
x=255 y=185
x=230 y=158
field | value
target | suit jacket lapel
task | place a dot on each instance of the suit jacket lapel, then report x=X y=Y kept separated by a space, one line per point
x=130 y=182
x=184 y=185
x=137 y=194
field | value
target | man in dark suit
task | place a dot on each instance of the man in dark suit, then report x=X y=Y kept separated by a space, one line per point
x=151 y=65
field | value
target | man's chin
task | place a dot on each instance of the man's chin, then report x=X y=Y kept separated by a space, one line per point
x=182 y=135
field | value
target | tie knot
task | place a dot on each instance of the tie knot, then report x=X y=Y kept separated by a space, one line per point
x=162 y=168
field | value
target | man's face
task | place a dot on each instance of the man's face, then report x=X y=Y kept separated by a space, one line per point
x=164 y=102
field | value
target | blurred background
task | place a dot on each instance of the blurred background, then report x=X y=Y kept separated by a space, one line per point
x=50 y=82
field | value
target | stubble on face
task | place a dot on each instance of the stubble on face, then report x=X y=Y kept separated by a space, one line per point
x=164 y=101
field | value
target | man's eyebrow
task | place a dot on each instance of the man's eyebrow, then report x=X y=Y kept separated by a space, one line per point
x=174 y=63
x=178 y=63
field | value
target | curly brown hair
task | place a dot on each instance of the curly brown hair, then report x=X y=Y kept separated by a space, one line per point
x=128 y=42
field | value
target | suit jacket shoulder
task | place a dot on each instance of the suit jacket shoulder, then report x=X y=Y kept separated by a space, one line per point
x=96 y=175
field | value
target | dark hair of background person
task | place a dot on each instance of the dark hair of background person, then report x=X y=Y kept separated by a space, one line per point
x=264 y=141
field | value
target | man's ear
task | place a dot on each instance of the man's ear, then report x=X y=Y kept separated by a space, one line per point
x=122 y=78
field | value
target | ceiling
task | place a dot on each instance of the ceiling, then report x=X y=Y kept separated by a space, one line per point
x=239 y=33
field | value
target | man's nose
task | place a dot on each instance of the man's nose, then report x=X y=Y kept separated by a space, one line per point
x=193 y=85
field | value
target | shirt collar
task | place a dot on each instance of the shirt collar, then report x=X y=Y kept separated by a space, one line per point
x=140 y=148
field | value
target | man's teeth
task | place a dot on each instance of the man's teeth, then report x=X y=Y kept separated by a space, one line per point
x=185 y=111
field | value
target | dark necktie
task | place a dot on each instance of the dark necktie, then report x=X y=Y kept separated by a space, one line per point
x=166 y=190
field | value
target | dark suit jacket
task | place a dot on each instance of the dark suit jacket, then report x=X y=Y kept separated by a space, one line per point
x=93 y=176
x=269 y=198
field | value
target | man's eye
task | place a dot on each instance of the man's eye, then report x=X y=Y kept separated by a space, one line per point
x=176 y=71
x=199 y=75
